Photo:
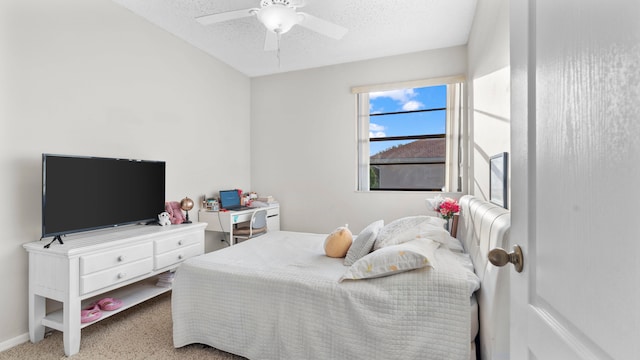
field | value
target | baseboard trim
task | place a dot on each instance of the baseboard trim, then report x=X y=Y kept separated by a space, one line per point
x=8 y=344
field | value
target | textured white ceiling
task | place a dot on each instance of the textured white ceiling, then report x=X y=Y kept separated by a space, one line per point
x=377 y=28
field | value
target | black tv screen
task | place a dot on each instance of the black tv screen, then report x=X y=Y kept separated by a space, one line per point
x=86 y=193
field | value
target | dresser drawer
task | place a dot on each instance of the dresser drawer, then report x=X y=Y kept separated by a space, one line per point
x=114 y=275
x=273 y=219
x=176 y=242
x=273 y=211
x=178 y=255
x=111 y=258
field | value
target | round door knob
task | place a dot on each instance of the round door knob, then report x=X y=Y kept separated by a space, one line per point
x=499 y=257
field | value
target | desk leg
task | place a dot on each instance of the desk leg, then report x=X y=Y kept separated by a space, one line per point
x=71 y=317
x=231 y=223
x=37 y=312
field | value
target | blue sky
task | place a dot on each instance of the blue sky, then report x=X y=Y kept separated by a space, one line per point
x=406 y=124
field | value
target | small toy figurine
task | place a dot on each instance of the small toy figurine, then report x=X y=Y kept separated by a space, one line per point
x=163 y=219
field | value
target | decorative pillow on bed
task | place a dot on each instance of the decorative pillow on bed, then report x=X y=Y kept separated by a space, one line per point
x=403 y=229
x=429 y=231
x=363 y=243
x=393 y=259
x=454 y=245
x=338 y=242
x=435 y=233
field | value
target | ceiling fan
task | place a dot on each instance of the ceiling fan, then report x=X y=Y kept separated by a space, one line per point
x=278 y=16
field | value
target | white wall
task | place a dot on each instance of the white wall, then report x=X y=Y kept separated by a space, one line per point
x=303 y=147
x=489 y=91
x=489 y=104
x=88 y=77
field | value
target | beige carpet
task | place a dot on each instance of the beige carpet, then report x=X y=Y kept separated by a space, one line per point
x=142 y=332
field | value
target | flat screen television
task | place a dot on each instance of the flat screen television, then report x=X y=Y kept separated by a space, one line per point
x=81 y=193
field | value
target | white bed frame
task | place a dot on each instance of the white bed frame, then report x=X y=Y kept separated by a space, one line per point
x=483 y=226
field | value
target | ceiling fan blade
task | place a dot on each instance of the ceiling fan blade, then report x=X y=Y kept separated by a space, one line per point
x=225 y=16
x=322 y=26
x=270 y=41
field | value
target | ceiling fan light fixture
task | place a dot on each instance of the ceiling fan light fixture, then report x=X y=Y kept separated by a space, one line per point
x=278 y=18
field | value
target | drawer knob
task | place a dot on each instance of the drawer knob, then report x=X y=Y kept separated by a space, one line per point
x=121 y=275
x=121 y=258
x=180 y=242
x=180 y=257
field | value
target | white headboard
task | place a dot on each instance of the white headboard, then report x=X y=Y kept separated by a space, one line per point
x=483 y=226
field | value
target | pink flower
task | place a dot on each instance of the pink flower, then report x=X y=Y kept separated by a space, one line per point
x=448 y=207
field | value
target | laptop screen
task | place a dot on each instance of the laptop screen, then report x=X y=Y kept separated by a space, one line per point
x=229 y=198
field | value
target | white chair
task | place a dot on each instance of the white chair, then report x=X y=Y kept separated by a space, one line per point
x=257 y=226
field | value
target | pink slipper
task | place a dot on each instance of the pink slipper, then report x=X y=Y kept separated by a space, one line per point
x=89 y=315
x=108 y=304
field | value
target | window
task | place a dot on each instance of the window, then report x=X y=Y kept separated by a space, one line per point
x=408 y=136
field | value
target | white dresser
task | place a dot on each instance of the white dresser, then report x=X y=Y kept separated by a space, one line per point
x=120 y=262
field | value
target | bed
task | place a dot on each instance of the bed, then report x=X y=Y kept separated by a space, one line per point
x=483 y=226
x=279 y=297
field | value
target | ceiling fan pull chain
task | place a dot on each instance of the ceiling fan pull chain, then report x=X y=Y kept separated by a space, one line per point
x=278 y=51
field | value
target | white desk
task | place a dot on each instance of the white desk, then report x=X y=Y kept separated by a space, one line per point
x=226 y=221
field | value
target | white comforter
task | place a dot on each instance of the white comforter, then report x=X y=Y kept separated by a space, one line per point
x=278 y=297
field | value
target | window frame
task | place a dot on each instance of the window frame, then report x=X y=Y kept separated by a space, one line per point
x=455 y=119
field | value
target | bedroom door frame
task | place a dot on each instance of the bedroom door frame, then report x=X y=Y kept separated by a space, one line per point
x=574 y=108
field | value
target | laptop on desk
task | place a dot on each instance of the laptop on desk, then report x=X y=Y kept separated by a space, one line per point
x=230 y=200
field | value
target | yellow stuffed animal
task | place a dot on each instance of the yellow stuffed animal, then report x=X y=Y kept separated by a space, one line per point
x=338 y=242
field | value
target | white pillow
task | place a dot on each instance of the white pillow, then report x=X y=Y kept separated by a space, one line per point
x=436 y=233
x=414 y=254
x=454 y=245
x=401 y=230
x=363 y=243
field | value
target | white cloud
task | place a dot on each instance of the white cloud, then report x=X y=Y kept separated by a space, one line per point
x=412 y=105
x=402 y=96
x=374 y=111
x=376 y=130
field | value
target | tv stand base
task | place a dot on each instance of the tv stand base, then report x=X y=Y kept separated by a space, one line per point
x=121 y=263
x=57 y=237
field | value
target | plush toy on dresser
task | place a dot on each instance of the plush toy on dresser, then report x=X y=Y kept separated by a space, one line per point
x=163 y=219
x=175 y=212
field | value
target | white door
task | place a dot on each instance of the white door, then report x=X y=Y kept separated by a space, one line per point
x=576 y=179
